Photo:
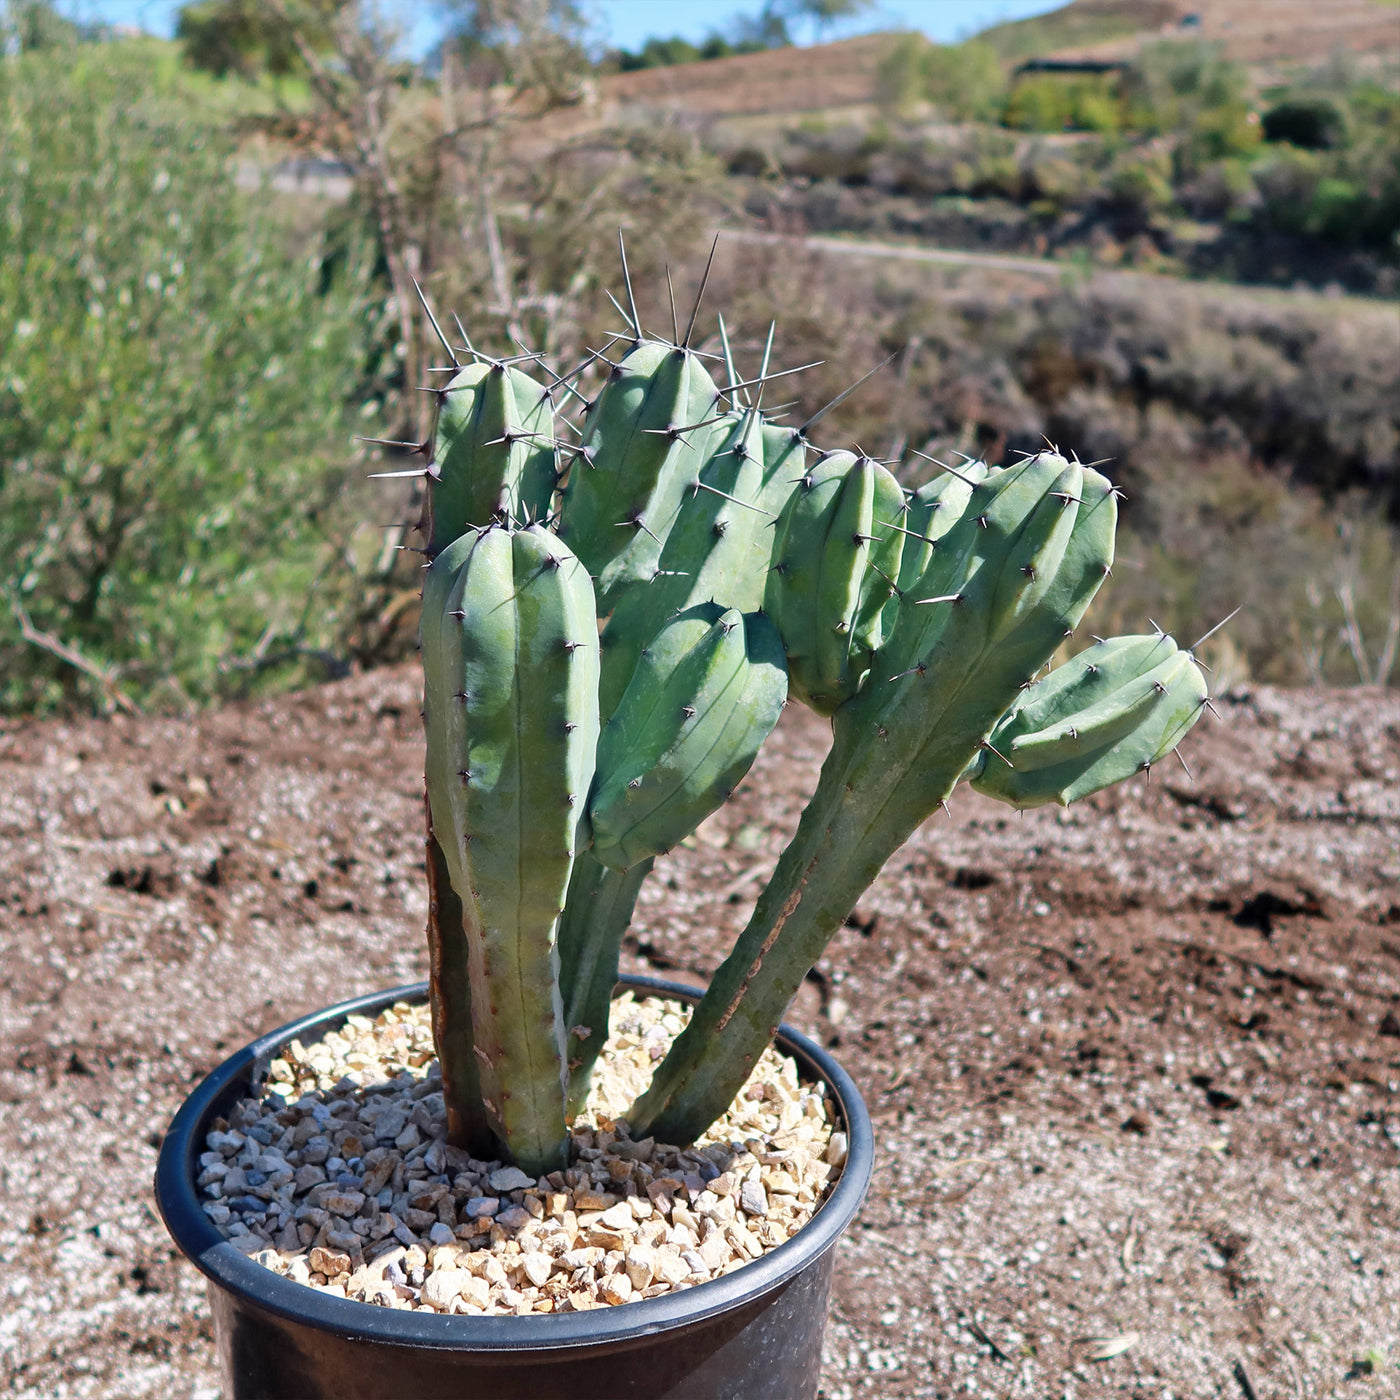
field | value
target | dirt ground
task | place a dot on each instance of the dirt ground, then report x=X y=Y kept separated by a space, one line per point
x=1134 y=1067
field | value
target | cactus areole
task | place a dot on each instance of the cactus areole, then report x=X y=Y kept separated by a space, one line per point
x=618 y=603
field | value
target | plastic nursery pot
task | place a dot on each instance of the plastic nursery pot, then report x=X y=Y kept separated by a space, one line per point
x=754 y=1334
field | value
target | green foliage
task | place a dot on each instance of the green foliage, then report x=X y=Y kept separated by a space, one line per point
x=239 y=36
x=174 y=376
x=666 y=53
x=1051 y=102
x=964 y=82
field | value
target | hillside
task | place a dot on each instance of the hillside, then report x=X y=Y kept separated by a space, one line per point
x=1250 y=31
x=785 y=81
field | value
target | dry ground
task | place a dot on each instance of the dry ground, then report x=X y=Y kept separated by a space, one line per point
x=1135 y=1067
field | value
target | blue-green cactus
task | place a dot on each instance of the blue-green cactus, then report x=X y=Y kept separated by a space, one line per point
x=595 y=688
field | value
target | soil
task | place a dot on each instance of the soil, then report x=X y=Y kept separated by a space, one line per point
x=1134 y=1066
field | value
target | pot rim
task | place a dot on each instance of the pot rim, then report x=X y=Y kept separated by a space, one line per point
x=228 y=1268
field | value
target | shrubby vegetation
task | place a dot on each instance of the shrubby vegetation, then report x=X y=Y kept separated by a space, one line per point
x=183 y=362
x=178 y=380
x=1178 y=162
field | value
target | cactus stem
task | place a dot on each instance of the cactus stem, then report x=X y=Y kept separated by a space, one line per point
x=942 y=598
x=437 y=329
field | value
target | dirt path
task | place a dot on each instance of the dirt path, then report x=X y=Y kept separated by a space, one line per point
x=1135 y=1067
x=829 y=245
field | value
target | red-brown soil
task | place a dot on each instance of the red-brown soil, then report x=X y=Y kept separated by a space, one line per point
x=1135 y=1066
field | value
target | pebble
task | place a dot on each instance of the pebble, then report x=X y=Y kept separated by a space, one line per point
x=753 y=1200
x=343 y=1180
x=509 y=1179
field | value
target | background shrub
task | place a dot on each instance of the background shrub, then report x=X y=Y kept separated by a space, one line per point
x=177 y=382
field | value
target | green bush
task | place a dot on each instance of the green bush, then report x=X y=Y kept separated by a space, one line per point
x=174 y=435
x=965 y=82
x=1050 y=102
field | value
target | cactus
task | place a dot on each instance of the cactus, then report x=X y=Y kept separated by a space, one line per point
x=607 y=646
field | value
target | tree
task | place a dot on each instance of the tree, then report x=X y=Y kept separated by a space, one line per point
x=243 y=37
x=821 y=14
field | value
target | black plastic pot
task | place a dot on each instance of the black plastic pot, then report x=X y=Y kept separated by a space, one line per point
x=755 y=1334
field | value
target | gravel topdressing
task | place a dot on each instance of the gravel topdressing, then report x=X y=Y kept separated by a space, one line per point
x=338 y=1175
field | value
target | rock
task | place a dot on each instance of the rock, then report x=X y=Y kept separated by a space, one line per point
x=836 y=1150
x=481 y=1207
x=330 y=1262
x=670 y=1267
x=618 y=1217
x=536 y=1267
x=616 y=1288
x=441 y=1234
x=510 y=1179
x=443 y=1286
x=586 y=1199
x=753 y=1200
x=714 y=1252
x=343 y=1202
x=640 y=1264
x=513 y=1218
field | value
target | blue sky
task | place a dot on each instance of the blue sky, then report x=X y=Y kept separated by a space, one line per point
x=627 y=23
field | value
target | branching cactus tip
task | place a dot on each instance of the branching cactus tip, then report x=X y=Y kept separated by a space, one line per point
x=610 y=631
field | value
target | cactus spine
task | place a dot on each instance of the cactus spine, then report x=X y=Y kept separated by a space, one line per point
x=595 y=689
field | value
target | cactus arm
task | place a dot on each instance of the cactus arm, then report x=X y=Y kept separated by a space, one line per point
x=708 y=556
x=596 y=915
x=822 y=592
x=1112 y=711
x=450 y=1000
x=898 y=751
x=511 y=671
x=626 y=485
x=494 y=454
x=701 y=728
